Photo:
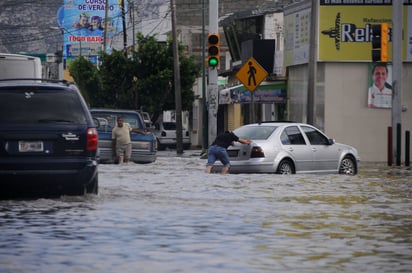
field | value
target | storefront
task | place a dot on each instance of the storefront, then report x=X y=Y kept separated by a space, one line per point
x=238 y=106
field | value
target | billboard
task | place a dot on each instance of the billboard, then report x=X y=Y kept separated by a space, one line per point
x=344 y=30
x=83 y=25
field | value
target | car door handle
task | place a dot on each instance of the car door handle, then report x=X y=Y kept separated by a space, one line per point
x=290 y=149
x=314 y=149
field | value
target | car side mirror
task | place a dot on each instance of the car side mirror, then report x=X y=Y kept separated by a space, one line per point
x=331 y=141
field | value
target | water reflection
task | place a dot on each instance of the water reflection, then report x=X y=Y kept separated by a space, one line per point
x=171 y=217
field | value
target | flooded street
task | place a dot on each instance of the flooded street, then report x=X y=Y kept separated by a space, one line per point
x=169 y=216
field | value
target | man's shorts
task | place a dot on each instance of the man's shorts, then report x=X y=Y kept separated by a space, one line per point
x=125 y=150
x=216 y=152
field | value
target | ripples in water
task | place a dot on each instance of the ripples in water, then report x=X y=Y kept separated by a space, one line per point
x=169 y=216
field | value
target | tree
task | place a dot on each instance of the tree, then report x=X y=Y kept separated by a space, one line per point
x=87 y=78
x=144 y=81
x=117 y=79
x=153 y=67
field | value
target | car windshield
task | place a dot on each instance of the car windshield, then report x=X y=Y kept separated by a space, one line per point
x=107 y=120
x=260 y=132
x=40 y=106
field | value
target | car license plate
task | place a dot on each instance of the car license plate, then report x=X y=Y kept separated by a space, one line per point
x=233 y=153
x=30 y=146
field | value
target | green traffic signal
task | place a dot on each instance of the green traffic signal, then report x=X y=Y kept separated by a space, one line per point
x=213 y=61
x=213 y=50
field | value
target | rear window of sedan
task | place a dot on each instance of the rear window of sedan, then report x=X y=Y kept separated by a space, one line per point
x=255 y=132
x=34 y=106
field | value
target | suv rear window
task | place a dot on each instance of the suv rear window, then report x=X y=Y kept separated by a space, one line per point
x=169 y=126
x=30 y=106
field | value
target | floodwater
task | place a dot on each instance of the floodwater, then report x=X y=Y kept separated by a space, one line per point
x=169 y=216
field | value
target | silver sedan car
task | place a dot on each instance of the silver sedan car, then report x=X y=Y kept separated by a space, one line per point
x=289 y=148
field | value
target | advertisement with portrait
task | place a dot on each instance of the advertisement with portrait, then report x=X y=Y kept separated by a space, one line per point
x=83 y=25
x=380 y=86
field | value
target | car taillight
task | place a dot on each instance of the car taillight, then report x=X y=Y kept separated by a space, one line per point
x=92 y=139
x=257 y=152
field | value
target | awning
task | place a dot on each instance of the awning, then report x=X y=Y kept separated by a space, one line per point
x=267 y=92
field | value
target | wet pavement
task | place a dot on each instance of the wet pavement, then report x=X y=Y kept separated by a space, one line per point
x=169 y=216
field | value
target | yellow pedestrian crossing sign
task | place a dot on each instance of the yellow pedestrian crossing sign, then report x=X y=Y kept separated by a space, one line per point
x=251 y=74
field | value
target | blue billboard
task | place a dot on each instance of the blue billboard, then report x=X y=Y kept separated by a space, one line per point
x=84 y=23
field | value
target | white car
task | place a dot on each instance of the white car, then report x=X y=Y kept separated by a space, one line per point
x=288 y=148
x=166 y=135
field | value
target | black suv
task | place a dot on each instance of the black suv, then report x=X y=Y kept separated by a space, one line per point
x=48 y=140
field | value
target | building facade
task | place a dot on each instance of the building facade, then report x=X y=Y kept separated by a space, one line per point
x=343 y=73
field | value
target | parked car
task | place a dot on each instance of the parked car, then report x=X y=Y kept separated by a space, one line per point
x=166 y=135
x=288 y=148
x=48 y=140
x=146 y=120
x=144 y=146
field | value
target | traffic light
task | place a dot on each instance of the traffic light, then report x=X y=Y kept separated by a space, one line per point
x=213 y=49
x=384 y=42
x=380 y=40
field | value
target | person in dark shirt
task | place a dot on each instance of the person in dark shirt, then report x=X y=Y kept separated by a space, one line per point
x=218 y=150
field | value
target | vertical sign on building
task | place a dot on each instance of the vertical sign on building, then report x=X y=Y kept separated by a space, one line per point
x=83 y=27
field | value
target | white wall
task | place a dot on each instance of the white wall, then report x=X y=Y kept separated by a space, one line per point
x=346 y=116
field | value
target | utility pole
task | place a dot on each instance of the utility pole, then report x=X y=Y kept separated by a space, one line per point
x=397 y=20
x=124 y=27
x=312 y=65
x=204 y=98
x=133 y=27
x=106 y=17
x=178 y=92
x=212 y=86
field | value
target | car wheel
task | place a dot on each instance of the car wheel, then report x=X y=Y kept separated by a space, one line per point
x=348 y=166
x=93 y=187
x=286 y=167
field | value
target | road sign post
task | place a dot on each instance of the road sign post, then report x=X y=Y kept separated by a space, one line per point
x=251 y=74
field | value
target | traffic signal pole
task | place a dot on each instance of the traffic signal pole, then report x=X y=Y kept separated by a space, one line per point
x=212 y=88
x=397 y=20
x=178 y=92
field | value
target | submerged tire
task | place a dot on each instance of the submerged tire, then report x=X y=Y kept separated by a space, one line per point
x=286 y=167
x=348 y=166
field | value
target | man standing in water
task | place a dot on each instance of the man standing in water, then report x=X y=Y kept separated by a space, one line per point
x=121 y=142
x=218 y=150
